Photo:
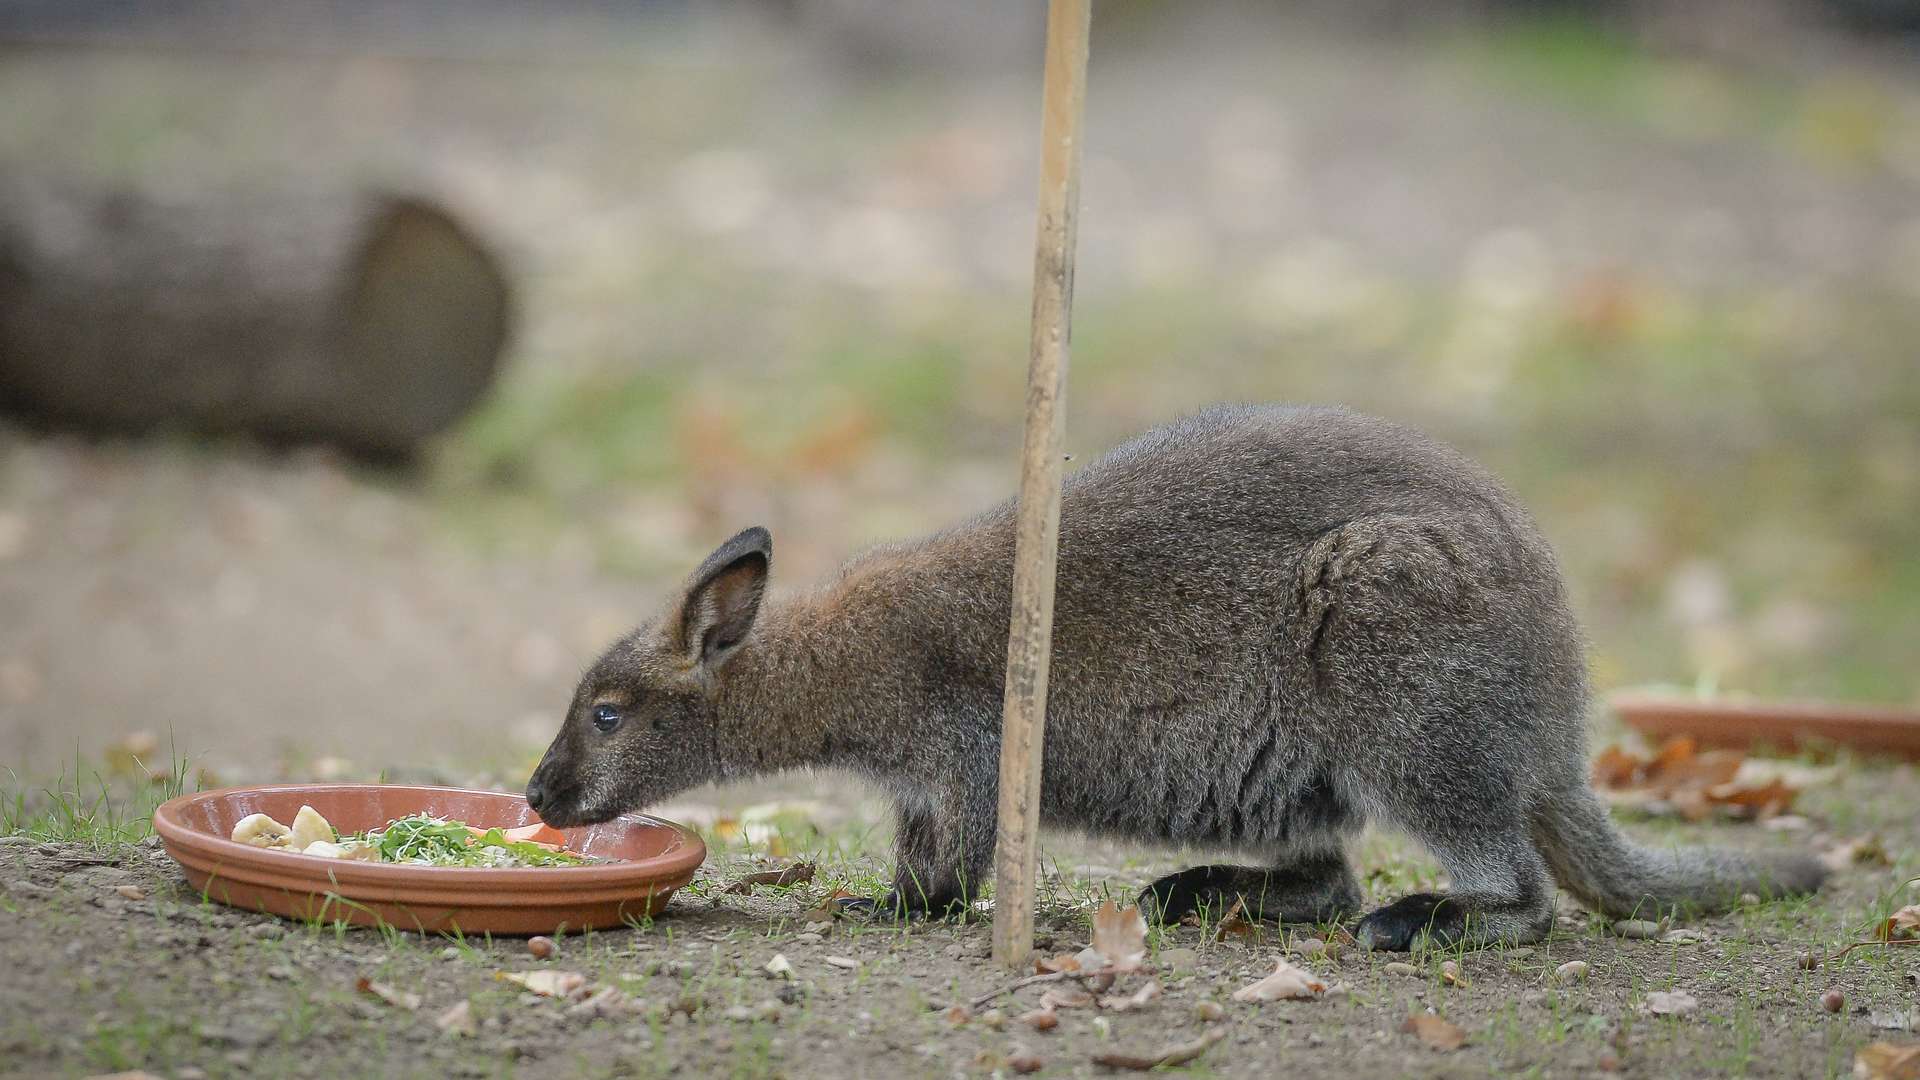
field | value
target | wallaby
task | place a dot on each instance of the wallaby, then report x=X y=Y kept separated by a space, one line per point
x=1271 y=626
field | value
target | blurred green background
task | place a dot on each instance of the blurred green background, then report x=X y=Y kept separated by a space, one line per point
x=1658 y=266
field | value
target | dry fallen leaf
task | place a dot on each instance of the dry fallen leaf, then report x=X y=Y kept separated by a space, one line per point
x=1670 y=1003
x=1178 y=1054
x=1287 y=983
x=405 y=999
x=1123 y=1002
x=829 y=908
x=603 y=1001
x=1680 y=779
x=1062 y=998
x=1435 y=1031
x=554 y=984
x=1049 y=965
x=1120 y=936
x=1859 y=851
x=1234 y=922
x=797 y=874
x=1887 y=1061
x=1040 y=1019
x=1902 y=925
x=456 y=1021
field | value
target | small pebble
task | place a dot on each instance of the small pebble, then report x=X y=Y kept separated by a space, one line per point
x=808 y=938
x=1401 y=967
x=1637 y=928
x=844 y=963
x=1682 y=937
x=993 y=1019
x=131 y=892
x=1308 y=948
x=449 y=953
x=1520 y=953
x=1749 y=899
x=779 y=967
x=1572 y=971
x=1833 y=1001
x=541 y=947
x=1809 y=961
x=1208 y=1011
x=1024 y=1062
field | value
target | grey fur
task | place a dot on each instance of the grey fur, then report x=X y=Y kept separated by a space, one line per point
x=1272 y=625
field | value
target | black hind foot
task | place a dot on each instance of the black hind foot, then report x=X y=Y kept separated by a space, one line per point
x=1310 y=890
x=1448 y=920
x=896 y=907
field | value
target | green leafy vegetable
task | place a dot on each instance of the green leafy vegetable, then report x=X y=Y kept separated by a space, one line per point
x=436 y=842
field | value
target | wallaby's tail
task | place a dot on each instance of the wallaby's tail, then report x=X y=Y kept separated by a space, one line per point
x=1619 y=878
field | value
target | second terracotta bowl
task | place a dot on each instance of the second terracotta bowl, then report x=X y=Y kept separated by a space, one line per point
x=1784 y=725
x=654 y=858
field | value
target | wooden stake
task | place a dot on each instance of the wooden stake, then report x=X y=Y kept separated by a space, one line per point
x=1023 y=719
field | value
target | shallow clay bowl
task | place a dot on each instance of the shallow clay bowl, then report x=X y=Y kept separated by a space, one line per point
x=1785 y=725
x=656 y=857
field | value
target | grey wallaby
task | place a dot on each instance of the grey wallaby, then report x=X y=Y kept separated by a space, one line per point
x=1272 y=625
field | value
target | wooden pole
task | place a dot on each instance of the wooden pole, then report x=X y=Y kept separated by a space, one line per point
x=1023 y=719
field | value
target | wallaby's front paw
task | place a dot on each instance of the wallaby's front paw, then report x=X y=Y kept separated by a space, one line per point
x=1394 y=928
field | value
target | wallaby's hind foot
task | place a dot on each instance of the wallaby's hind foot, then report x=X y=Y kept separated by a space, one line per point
x=898 y=908
x=1502 y=894
x=1309 y=890
x=1448 y=920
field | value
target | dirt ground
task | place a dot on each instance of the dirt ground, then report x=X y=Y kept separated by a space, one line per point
x=1670 y=300
x=103 y=977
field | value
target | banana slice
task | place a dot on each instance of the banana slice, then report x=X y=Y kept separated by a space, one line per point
x=310 y=828
x=357 y=850
x=262 y=831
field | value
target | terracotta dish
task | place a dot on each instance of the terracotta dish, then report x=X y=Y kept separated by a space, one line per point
x=656 y=857
x=1785 y=725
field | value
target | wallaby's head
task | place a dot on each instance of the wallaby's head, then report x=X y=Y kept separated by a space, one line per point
x=642 y=725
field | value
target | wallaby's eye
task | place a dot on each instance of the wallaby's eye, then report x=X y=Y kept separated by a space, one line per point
x=606 y=718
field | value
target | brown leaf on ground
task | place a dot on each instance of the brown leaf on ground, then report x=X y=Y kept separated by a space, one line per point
x=1435 y=1031
x=1616 y=768
x=1287 y=983
x=1120 y=936
x=1050 y=965
x=1692 y=784
x=1887 y=1061
x=1859 y=851
x=456 y=1021
x=1234 y=923
x=1040 y=1019
x=797 y=874
x=1902 y=925
x=827 y=911
x=1063 y=998
x=1178 y=1054
x=404 y=999
x=553 y=984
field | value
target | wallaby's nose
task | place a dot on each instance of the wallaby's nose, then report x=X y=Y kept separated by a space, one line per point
x=536 y=793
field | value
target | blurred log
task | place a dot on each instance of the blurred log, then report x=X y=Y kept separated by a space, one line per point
x=371 y=322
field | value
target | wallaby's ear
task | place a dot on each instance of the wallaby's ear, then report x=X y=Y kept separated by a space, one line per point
x=723 y=596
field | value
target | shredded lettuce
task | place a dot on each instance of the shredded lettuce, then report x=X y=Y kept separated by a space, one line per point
x=430 y=841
